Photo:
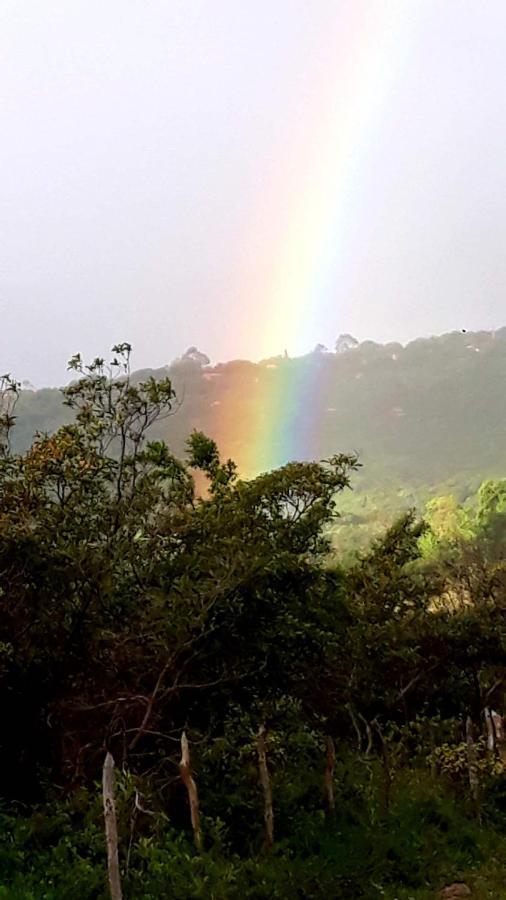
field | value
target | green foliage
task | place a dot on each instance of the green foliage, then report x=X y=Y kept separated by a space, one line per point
x=491 y=512
x=448 y=523
x=204 y=455
x=426 y=841
x=134 y=606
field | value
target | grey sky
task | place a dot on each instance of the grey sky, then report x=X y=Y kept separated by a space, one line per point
x=143 y=152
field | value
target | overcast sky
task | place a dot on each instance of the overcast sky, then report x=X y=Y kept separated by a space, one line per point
x=143 y=154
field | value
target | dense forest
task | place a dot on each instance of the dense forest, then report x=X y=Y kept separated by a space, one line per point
x=193 y=668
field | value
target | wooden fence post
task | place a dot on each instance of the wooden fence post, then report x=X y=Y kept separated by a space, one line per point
x=491 y=733
x=500 y=736
x=265 y=781
x=111 y=828
x=191 y=787
x=472 y=767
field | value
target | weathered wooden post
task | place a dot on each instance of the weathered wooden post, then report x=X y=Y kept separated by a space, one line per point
x=191 y=787
x=472 y=766
x=265 y=781
x=491 y=734
x=500 y=736
x=496 y=739
x=111 y=828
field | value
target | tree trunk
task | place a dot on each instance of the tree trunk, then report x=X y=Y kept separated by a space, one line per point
x=265 y=781
x=191 y=787
x=111 y=828
x=387 y=779
x=355 y=726
x=329 y=775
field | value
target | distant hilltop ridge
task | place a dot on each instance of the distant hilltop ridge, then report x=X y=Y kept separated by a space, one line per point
x=429 y=412
x=476 y=340
x=193 y=357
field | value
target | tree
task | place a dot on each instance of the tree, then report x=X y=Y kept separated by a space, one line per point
x=196 y=356
x=448 y=524
x=491 y=513
x=121 y=588
x=9 y=393
x=345 y=342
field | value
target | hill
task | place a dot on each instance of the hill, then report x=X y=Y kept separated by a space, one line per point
x=425 y=418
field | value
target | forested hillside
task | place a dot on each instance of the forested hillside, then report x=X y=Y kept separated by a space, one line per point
x=425 y=419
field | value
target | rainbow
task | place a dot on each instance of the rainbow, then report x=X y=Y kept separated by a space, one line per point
x=317 y=208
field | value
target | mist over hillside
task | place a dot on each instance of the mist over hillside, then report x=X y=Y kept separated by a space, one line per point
x=425 y=417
